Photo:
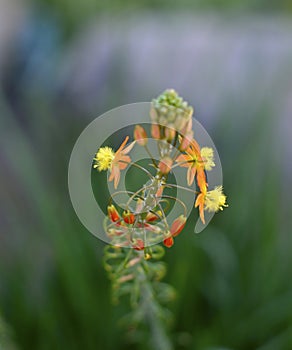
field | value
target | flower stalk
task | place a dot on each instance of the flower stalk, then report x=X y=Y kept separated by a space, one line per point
x=136 y=228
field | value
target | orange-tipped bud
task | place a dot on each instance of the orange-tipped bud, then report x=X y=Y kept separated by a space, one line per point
x=139 y=205
x=140 y=135
x=149 y=227
x=168 y=242
x=186 y=140
x=159 y=191
x=170 y=133
x=128 y=217
x=155 y=132
x=178 y=225
x=152 y=217
x=165 y=165
x=115 y=232
x=138 y=245
x=188 y=127
x=113 y=213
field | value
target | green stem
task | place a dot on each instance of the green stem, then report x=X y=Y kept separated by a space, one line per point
x=151 y=156
x=140 y=278
x=159 y=339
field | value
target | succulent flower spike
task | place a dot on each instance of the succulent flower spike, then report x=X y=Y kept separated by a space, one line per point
x=140 y=135
x=145 y=222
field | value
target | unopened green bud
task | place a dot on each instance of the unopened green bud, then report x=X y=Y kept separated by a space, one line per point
x=170 y=108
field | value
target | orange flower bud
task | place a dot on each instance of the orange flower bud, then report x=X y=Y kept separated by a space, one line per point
x=165 y=165
x=149 y=227
x=159 y=191
x=178 y=225
x=188 y=127
x=186 y=140
x=140 y=135
x=123 y=243
x=155 y=132
x=168 y=242
x=128 y=217
x=170 y=133
x=115 y=232
x=139 y=244
x=113 y=213
x=139 y=205
x=152 y=217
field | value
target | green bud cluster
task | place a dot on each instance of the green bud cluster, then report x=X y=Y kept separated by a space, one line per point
x=170 y=110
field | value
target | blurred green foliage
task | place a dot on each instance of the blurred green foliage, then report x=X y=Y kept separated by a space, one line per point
x=233 y=280
x=73 y=13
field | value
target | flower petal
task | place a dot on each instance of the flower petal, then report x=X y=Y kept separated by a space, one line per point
x=191 y=175
x=123 y=144
x=128 y=148
x=200 y=203
x=115 y=175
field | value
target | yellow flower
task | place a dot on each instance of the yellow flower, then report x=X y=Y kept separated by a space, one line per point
x=104 y=158
x=207 y=154
x=215 y=200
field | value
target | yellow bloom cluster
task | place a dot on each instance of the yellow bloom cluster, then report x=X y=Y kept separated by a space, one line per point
x=215 y=200
x=207 y=154
x=104 y=158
